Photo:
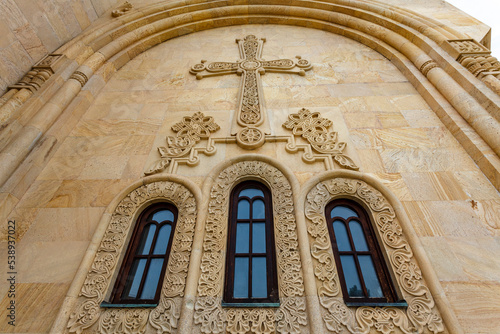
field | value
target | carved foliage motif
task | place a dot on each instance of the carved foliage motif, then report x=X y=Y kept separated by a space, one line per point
x=165 y=316
x=189 y=132
x=209 y=313
x=312 y=127
x=420 y=316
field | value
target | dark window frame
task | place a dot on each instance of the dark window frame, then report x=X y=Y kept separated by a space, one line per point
x=272 y=277
x=384 y=277
x=130 y=256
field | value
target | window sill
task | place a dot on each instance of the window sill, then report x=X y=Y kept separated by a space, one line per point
x=275 y=305
x=109 y=305
x=378 y=304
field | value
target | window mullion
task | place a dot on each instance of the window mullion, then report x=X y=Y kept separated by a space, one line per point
x=250 y=250
x=356 y=261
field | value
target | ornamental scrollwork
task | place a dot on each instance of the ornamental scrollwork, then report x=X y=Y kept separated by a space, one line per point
x=209 y=314
x=189 y=132
x=314 y=128
x=421 y=315
x=164 y=318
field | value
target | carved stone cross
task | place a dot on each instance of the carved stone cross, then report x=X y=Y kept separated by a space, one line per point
x=250 y=113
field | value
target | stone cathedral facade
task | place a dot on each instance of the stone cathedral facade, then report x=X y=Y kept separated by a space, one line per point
x=322 y=166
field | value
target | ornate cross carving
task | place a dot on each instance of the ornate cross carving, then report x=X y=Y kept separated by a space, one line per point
x=250 y=112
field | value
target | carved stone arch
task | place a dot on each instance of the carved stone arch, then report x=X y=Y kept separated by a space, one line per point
x=209 y=313
x=421 y=315
x=86 y=314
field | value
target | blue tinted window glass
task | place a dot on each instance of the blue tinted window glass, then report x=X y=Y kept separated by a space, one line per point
x=134 y=278
x=358 y=236
x=370 y=276
x=241 y=277
x=251 y=193
x=152 y=279
x=352 y=281
x=148 y=234
x=341 y=236
x=259 y=277
x=258 y=209
x=258 y=238
x=162 y=240
x=343 y=212
x=162 y=216
x=242 y=237
x=243 y=209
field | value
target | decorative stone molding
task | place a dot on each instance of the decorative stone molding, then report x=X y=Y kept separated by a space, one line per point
x=251 y=66
x=189 y=131
x=473 y=56
x=421 y=315
x=122 y=10
x=209 y=313
x=314 y=128
x=80 y=77
x=164 y=317
x=39 y=73
x=481 y=66
x=427 y=66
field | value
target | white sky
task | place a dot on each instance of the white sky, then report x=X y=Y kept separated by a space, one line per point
x=486 y=11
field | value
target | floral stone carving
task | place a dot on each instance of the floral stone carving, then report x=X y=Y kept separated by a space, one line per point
x=420 y=316
x=190 y=131
x=165 y=316
x=312 y=127
x=209 y=314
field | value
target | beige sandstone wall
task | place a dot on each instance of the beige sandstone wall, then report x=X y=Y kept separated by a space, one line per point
x=30 y=29
x=392 y=134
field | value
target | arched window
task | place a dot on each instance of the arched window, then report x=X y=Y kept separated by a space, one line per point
x=251 y=266
x=141 y=275
x=362 y=271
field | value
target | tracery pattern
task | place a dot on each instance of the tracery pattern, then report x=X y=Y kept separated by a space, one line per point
x=421 y=316
x=164 y=317
x=209 y=313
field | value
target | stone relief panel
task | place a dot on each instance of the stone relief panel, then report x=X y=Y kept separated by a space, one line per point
x=290 y=317
x=421 y=315
x=314 y=128
x=89 y=316
x=189 y=132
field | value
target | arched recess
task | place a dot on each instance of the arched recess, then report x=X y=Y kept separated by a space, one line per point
x=209 y=314
x=428 y=310
x=81 y=311
x=418 y=46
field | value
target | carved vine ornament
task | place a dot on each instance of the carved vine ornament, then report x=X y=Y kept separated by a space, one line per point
x=209 y=314
x=88 y=316
x=421 y=315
